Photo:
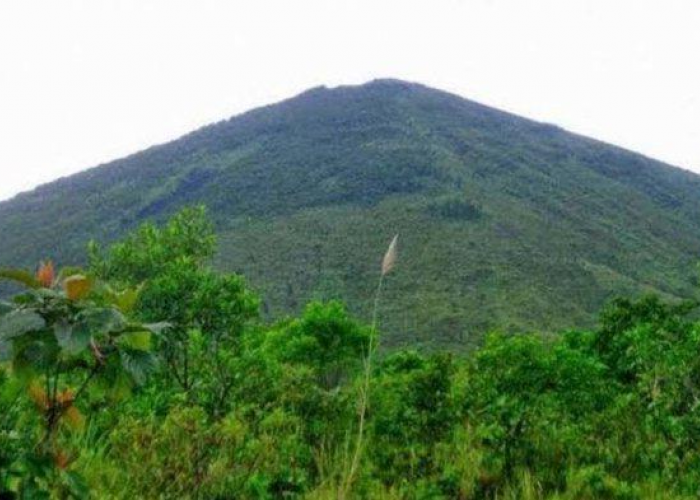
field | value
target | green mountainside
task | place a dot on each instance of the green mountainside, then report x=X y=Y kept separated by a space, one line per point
x=505 y=223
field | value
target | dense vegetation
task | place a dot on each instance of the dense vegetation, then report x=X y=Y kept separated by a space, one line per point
x=149 y=375
x=506 y=223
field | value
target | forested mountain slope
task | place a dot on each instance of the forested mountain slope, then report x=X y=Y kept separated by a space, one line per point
x=504 y=223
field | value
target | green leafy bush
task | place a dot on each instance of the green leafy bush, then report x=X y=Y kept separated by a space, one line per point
x=223 y=405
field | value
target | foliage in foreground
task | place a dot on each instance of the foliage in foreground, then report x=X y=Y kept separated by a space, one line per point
x=221 y=405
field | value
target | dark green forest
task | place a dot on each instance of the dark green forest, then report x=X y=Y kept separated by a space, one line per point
x=147 y=373
x=507 y=224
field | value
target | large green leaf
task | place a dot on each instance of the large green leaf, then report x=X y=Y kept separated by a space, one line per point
x=101 y=321
x=126 y=300
x=140 y=341
x=19 y=322
x=20 y=276
x=72 y=339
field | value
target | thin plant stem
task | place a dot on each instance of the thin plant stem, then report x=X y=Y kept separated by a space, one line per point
x=364 y=394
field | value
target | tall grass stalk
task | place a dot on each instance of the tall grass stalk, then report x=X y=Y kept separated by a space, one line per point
x=387 y=265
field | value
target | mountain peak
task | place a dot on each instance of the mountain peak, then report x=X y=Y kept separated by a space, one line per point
x=393 y=83
x=386 y=87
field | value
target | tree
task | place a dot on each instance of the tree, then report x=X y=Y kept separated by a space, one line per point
x=64 y=333
x=150 y=250
x=524 y=390
x=414 y=411
x=207 y=311
x=325 y=339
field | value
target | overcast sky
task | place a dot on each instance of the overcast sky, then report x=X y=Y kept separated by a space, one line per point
x=84 y=82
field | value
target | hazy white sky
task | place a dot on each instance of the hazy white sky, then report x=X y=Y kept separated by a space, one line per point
x=86 y=81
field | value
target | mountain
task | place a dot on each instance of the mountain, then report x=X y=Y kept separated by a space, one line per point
x=505 y=223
